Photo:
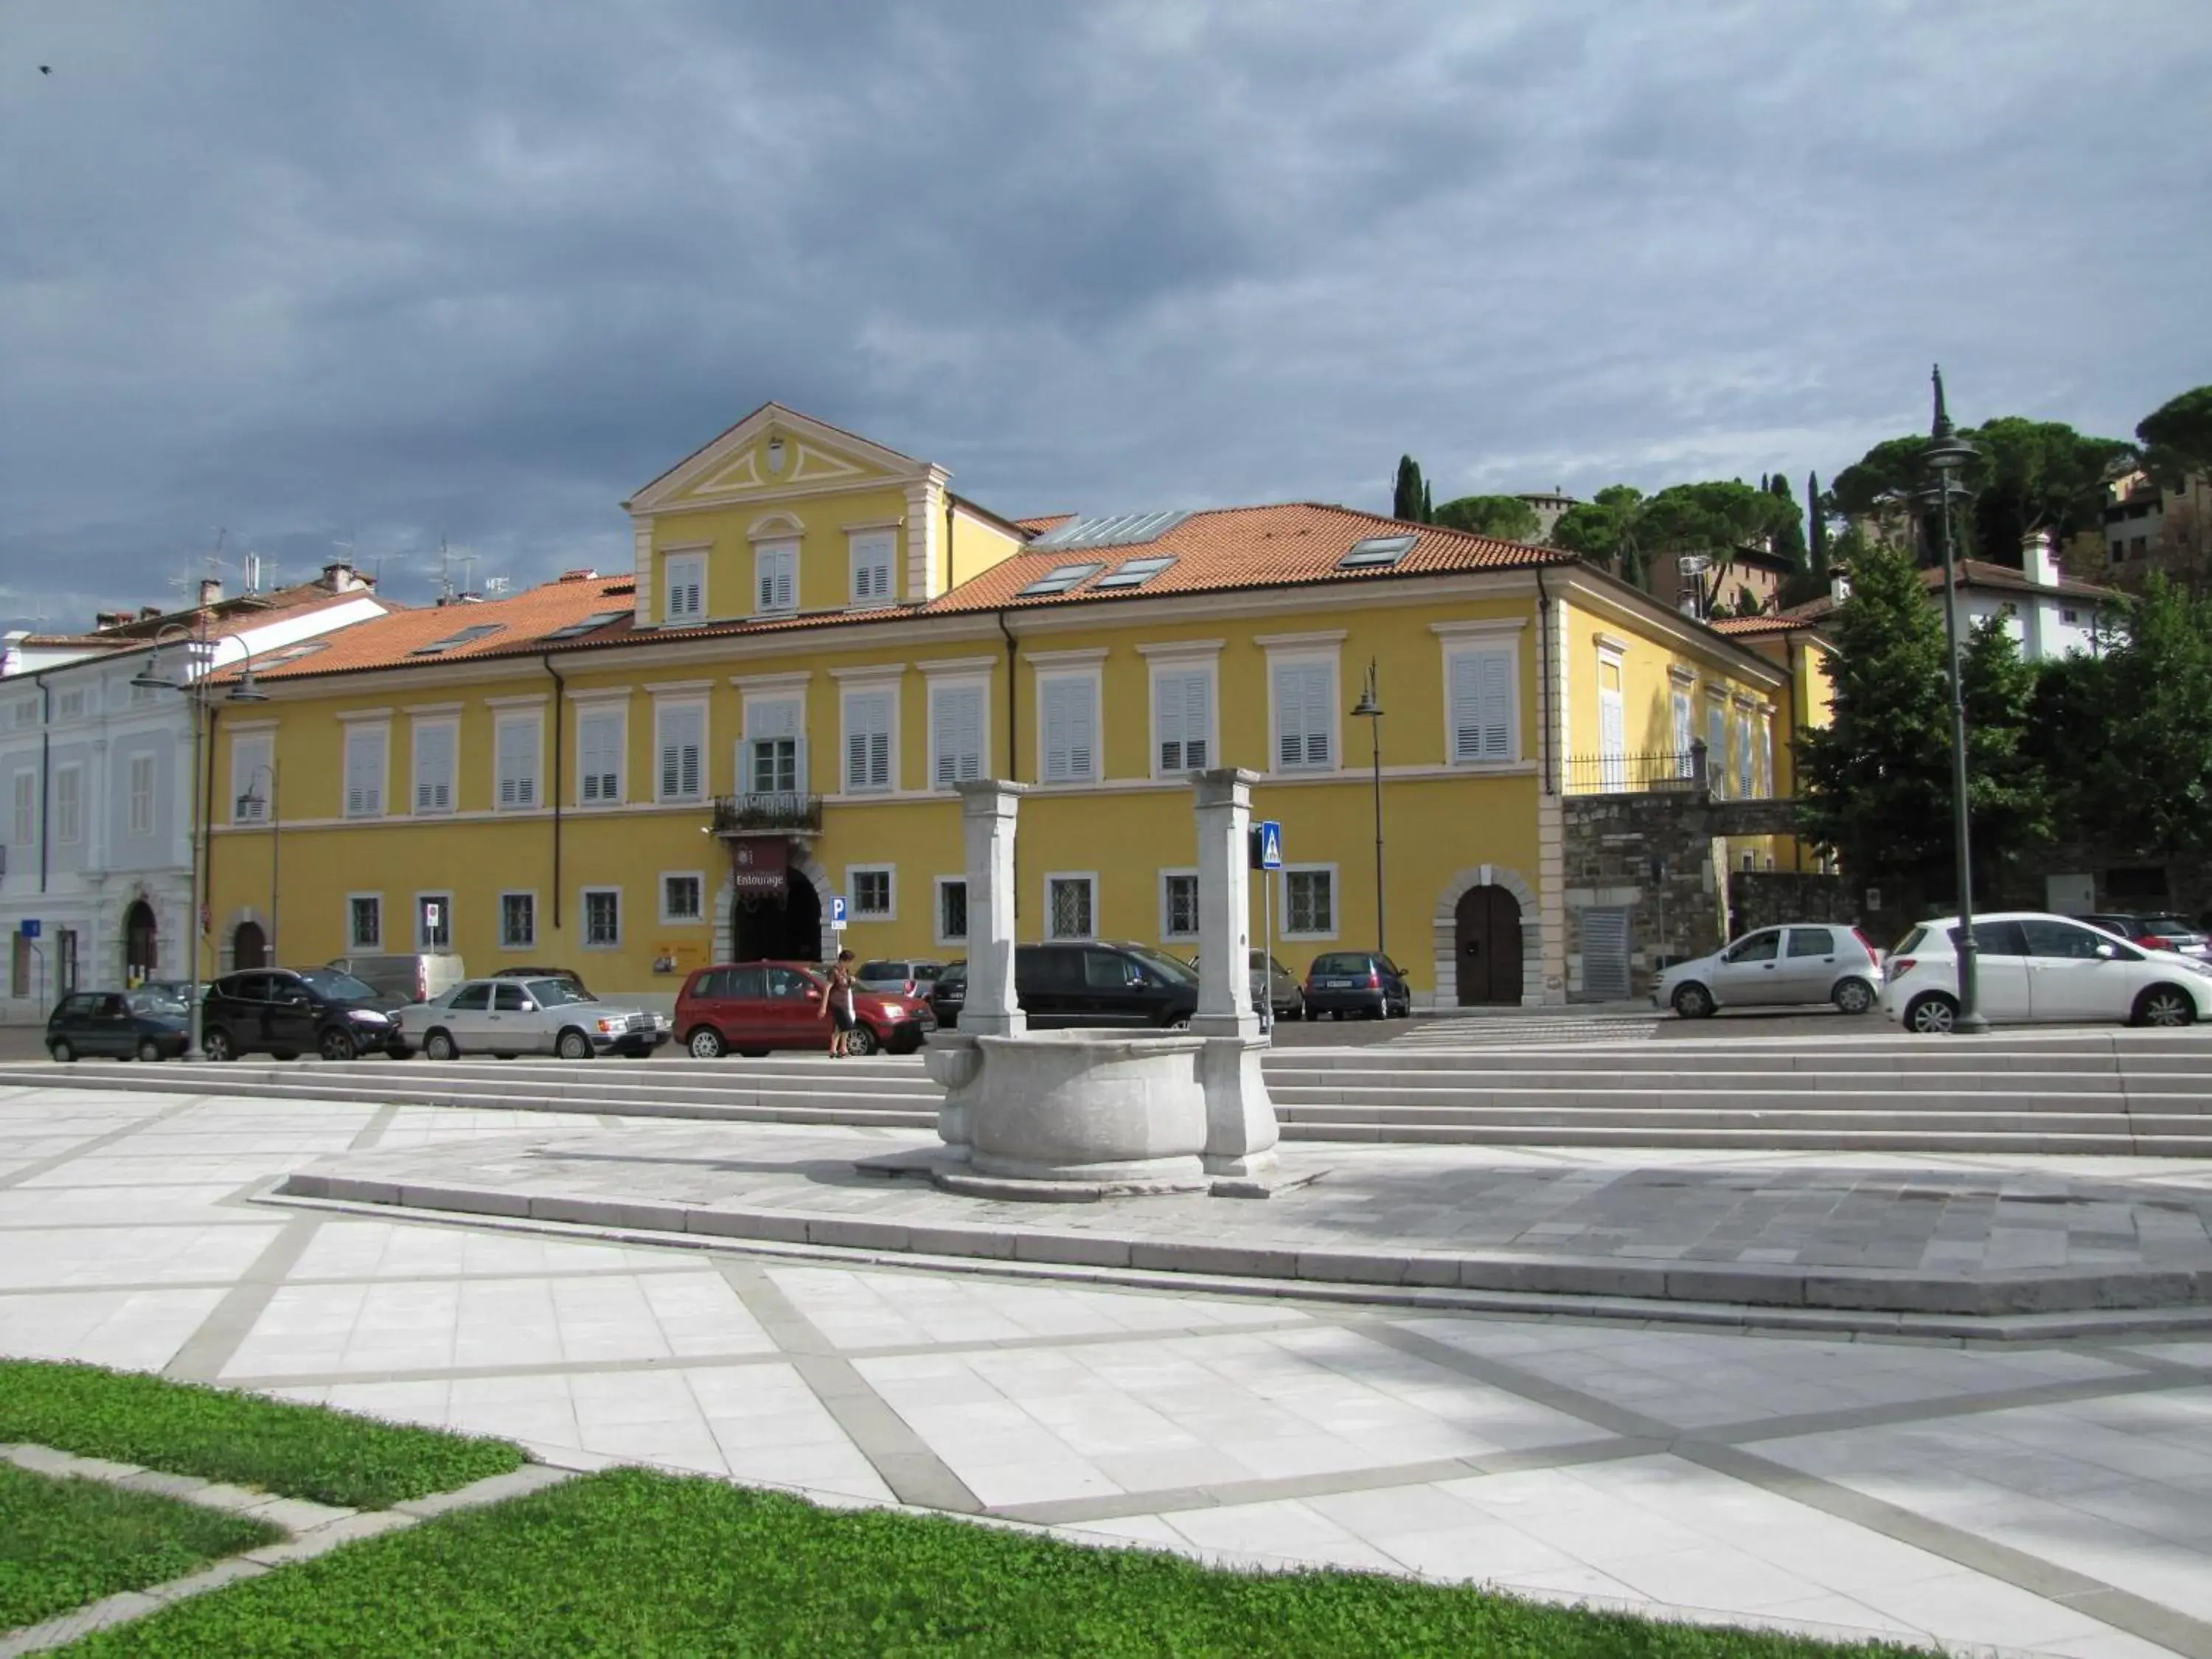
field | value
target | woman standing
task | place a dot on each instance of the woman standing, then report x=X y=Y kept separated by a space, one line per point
x=842 y=1013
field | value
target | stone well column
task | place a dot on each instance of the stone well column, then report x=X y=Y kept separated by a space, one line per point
x=1240 y=1118
x=987 y=810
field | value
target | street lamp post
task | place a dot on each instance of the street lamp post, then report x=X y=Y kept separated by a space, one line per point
x=1946 y=455
x=1370 y=707
x=253 y=796
x=199 y=660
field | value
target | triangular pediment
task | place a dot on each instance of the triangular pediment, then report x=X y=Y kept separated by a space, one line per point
x=776 y=451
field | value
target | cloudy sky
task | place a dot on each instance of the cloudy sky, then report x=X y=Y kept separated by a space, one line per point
x=377 y=275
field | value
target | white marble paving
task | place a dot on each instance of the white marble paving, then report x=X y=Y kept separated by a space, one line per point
x=132 y=1330
x=90 y=1256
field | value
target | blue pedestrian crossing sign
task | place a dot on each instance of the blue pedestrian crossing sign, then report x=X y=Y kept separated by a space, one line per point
x=1271 y=844
x=837 y=911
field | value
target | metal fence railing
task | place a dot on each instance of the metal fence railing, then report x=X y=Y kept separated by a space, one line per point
x=1636 y=774
x=767 y=813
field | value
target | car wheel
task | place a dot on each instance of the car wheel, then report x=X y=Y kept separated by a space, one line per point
x=573 y=1045
x=705 y=1044
x=2165 y=1004
x=62 y=1049
x=336 y=1045
x=1693 y=1001
x=439 y=1045
x=216 y=1044
x=283 y=1054
x=860 y=1040
x=1934 y=1014
x=148 y=1050
x=1855 y=996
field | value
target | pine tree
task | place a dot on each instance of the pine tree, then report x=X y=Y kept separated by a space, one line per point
x=1406 y=496
x=1819 y=523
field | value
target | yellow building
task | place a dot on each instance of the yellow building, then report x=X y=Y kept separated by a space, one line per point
x=632 y=775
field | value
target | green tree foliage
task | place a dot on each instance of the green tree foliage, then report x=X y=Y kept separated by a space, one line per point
x=2177 y=436
x=1606 y=530
x=1507 y=517
x=1811 y=580
x=2029 y=475
x=2006 y=784
x=1789 y=528
x=1406 y=495
x=1428 y=506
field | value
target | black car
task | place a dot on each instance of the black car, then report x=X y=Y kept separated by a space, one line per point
x=1364 y=982
x=125 y=1024
x=1063 y=985
x=276 y=1011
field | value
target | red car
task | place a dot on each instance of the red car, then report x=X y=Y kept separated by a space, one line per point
x=756 y=1006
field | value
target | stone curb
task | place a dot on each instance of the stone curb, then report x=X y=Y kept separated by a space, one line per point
x=314 y=1529
x=2019 y=1307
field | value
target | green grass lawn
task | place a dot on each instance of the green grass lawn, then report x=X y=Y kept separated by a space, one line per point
x=299 y=1451
x=63 y=1543
x=634 y=1562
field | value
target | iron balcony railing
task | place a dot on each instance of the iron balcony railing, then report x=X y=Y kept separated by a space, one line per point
x=1637 y=775
x=781 y=811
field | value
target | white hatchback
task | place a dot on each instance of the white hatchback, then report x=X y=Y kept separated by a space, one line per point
x=1804 y=962
x=2032 y=966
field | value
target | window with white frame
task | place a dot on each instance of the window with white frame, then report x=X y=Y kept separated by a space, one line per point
x=775 y=576
x=1716 y=747
x=952 y=909
x=869 y=723
x=27 y=711
x=141 y=794
x=955 y=732
x=599 y=734
x=69 y=706
x=251 y=766
x=686 y=577
x=1071 y=907
x=364 y=922
x=872 y=552
x=873 y=892
x=683 y=896
x=1178 y=904
x=1306 y=713
x=680 y=745
x=26 y=803
x=1182 y=718
x=435 y=752
x=1765 y=755
x=1070 y=737
x=1310 y=902
x=602 y=917
x=433 y=921
x=1481 y=686
x=1686 y=730
x=516 y=741
x=68 y=803
x=772 y=764
x=517 y=920
x=365 y=748
x=1743 y=754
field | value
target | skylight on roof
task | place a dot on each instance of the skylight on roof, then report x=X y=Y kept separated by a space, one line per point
x=468 y=636
x=1134 y=573
x=1376 y=551
x=597 y=619
x=1058 y=579
x=1109 y=530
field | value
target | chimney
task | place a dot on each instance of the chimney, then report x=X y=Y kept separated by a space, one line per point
x=2038 y=560
x=147 y=612
x=110 y=618
x=211 y=591
x=341 y=578
x=1840 y=586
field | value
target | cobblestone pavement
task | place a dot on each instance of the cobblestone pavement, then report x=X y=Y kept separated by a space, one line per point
x=2054 y=1499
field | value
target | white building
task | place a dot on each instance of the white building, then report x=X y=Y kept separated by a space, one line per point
x=2048 y=613
x=96 y=784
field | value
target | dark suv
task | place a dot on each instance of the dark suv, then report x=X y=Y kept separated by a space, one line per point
x=275 y=1011
x=1061 y=985
x=1364 y=983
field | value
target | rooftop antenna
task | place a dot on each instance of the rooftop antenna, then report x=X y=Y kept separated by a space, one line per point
x=498 y=584
x=250 y=572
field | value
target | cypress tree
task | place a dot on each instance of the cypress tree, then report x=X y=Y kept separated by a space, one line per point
x=1428 y=504
x=1406 y=493
x=1819 y=526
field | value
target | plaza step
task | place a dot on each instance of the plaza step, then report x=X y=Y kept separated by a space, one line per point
x=2087 y=1091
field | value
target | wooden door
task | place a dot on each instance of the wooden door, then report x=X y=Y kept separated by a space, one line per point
x=1486 y=944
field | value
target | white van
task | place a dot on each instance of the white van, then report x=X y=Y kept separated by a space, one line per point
x=405 y=978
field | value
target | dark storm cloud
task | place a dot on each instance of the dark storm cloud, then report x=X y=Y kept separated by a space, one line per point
x=379 y=275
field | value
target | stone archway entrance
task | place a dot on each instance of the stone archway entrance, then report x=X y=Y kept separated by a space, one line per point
x=763 y=930
x=249 y=946
x=141 y=945
x=1487 y=946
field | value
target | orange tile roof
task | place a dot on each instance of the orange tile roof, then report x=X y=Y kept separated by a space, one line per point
x=1039 y=523
x=1292 y=544
x=1785 y=623
x=391 y=640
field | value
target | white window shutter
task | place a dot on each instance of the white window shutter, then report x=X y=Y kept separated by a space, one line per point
x=364 y=773
x=1197 y=689
x=868 y=741
x=683 y=736
x=1497 y=687
x=1289 y=738
x=1167 y=721
x=1056 y=730
x=1305 y=722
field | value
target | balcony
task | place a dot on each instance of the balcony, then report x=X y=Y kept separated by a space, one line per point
x=783 y=812
x=1682 y=770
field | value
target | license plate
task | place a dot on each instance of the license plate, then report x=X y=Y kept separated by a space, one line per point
x=1334 y=984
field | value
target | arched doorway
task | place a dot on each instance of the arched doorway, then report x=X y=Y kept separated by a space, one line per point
x=1487 y=946
x=140 y=956
x=249 y=946
x=763 y=930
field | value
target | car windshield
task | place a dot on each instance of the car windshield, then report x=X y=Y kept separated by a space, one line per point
x=332 y=983
x=1175 y=973
x=1340 y=962
x=954 y=976
x=2167 y=928
x=1909 y=943
x=156 y=1003
x=554 y=992
x=883 y=971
